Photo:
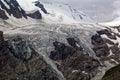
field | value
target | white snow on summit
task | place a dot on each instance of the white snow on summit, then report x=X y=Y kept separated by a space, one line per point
x=58 y=13
x=27 y=5
x=64 y=13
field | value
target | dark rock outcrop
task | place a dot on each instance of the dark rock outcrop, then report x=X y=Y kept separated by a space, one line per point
x=1 y=38
x=108 y=33
x=73 y=62
x=97 y=40
x=35 y=15
x=100 y=47
x=3 y=15
x=61 y=51
x=16 y=10
x=73 y=43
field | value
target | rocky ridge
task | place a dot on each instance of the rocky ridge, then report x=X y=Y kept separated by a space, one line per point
x=12 y=8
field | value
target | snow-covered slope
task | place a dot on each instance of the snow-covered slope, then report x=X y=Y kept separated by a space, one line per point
x=48 y=12
x=63 y=13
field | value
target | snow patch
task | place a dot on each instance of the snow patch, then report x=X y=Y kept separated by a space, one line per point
x=111 y=53
x=75 y=71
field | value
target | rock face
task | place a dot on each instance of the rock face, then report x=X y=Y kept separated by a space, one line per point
x=38 y=4
x=1 y=37
x=3 y=15
x=73 y=62
x=13 y=8
x=14 y=68
x=35 y=15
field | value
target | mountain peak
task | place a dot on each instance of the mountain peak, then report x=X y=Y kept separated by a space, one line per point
x=47 y=12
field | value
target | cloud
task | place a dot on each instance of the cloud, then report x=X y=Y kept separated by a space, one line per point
x=116 y=5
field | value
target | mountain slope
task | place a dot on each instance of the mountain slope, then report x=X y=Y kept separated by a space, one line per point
x=70 y=43
x=48 y=12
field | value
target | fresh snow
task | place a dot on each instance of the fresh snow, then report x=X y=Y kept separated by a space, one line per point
x=27 y=5
x=5 y=4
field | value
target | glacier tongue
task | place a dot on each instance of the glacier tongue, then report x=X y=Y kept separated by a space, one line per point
x=46 y=34
x=43 y=35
